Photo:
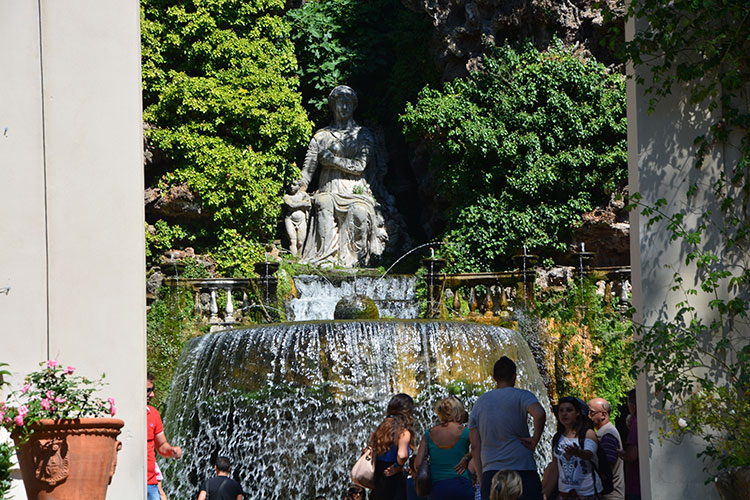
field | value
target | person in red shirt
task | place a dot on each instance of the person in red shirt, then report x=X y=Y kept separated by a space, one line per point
x=156 y=441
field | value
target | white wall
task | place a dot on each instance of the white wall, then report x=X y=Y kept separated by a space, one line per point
x=71 y=194
x=661 y=161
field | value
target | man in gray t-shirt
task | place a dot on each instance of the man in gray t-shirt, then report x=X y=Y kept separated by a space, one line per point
x=499 y=432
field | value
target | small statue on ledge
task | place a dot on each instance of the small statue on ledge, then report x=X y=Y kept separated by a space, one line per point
x=297 y=209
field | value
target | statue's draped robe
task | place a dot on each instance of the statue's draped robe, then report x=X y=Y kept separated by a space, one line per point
x=336 y=238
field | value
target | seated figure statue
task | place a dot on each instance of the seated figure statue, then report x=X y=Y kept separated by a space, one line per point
x=346 y=228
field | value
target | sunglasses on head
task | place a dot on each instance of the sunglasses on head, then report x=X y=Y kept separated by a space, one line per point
x=569 y=399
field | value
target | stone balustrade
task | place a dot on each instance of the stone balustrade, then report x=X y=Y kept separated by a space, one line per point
x=486 y=294
x=248 y=293
x=501 y=292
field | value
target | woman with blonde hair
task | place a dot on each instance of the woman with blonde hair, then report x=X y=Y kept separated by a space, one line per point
x=448 y=446
x=506 y=485
x=391 y=443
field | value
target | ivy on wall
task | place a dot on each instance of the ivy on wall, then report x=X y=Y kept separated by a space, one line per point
x=220 y=93
x=588 y=342
x=521 y=150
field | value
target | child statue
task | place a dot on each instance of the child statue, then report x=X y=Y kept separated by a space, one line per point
x=297 y=209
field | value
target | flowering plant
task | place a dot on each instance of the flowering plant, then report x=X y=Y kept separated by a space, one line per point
x=52 y=392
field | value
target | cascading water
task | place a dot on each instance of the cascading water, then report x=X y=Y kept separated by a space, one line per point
x=394 y=296
x=293 y=405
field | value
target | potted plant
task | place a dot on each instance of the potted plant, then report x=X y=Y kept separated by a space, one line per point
x=65 y=438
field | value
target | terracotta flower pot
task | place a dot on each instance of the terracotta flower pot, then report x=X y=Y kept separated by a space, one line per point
x=70 y=459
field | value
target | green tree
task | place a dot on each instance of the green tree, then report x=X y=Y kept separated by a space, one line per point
x=522 y=149
x=373 y=46
x=220 y=92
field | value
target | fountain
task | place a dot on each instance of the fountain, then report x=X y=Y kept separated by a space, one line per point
x=293 y=404
x=318 y=295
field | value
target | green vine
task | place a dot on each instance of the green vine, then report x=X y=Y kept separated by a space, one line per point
x=603 y=344
x=170 y=322
x=696 y=359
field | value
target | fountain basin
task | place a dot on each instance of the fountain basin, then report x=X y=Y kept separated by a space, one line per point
x=284 y=400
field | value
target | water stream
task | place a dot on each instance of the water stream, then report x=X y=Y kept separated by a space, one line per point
x=292 y=405
x=394 y=296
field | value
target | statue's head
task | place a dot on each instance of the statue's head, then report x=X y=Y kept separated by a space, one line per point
x=294 y=186
x=342 y=92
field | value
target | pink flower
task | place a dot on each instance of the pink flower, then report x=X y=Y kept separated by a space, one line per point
x=23 y=410
x=60 y=400
x=25 y=388
x=50 y=394
x=112 y=408
x=19 y=420
x=69 y=370
x=46 y=405
x=51 y=363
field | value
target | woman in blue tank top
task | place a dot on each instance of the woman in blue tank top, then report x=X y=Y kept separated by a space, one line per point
x=448 y=444
x=391 y=443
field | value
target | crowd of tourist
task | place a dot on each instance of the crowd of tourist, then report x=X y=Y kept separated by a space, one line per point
x=490 y=458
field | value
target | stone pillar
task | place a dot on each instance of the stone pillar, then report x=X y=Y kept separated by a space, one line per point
x=434 y=284
x=267 y=281
x=71 y=184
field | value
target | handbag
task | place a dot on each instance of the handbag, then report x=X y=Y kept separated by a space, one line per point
x=423 y=479
x=363 y=472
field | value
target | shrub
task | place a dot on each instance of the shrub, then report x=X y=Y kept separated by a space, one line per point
x=170 y=323
x=220 y=91
x=521 y=150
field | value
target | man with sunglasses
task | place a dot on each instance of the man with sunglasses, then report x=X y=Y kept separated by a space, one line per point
x=610 y=442
x=155 y=440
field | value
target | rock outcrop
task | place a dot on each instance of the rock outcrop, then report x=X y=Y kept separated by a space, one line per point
x=178 y=202
x=465 y=28
x=606 y=232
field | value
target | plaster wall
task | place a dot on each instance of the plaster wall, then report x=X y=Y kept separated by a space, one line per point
x=71 y=219
x=661 y=161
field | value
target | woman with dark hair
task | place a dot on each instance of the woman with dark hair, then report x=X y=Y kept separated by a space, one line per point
x=448 y=446
x=391 y=443
x=573 y=448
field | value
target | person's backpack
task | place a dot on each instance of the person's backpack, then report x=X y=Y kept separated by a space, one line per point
x=603 y=469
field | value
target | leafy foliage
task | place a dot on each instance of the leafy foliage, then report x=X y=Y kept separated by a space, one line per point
x=522 y=149
x=161 y=237
x=6 y=462
x=697 y=356
x=580 y=314
x=372 y=46
x=170 y=322
x=700 y=363
x=220 y=91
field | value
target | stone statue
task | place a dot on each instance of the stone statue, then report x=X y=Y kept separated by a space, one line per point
x=297 y=208
x=346 y=226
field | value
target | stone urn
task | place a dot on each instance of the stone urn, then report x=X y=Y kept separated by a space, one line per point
x=734 y=483
x=70 y=459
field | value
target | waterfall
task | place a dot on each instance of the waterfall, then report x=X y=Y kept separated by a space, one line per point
x=293 y=405
x=394 y=296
